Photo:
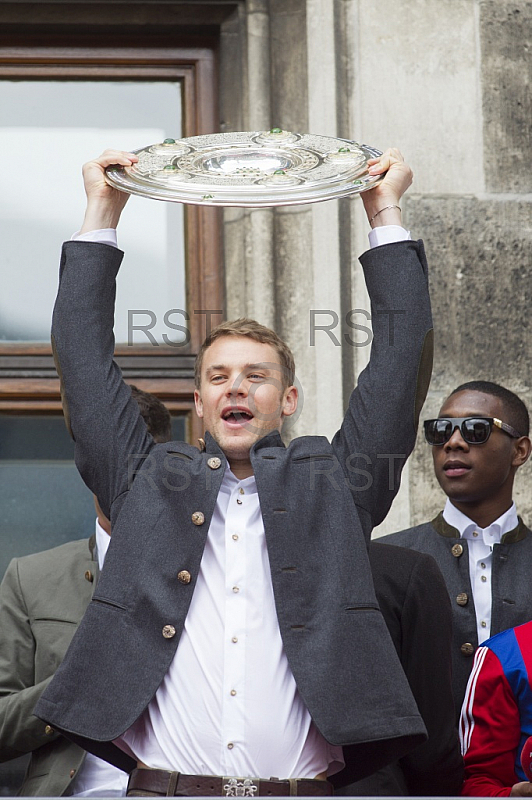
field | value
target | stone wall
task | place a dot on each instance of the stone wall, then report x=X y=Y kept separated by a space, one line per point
x=449 y=84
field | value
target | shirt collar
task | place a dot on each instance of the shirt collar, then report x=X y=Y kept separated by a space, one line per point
x=467 y=528
x=230 y=482
x=102 y=543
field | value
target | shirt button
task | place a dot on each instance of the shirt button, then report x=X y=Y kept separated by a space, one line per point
x=241 y=491
x=484 y=624
x=457 y=550
x=234 y=640
x=483 y=579
x=184 y=576
x=168 y=631
x=89 y=576
x=214 y=463
x=236 y=589
x=230 y=746
x=482 y=565
x=239 y=501
x=233 y=692
x=475 y=534
x=49 y=730
x=235 y=537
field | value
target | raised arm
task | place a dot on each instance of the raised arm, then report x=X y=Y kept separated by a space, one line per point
x=104 y=420
x=104 y=203
x=379 y=429
x=382 y=204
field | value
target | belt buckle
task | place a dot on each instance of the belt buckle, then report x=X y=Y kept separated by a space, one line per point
x=240 y=787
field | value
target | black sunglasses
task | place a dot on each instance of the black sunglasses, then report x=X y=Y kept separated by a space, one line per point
x=474 y=430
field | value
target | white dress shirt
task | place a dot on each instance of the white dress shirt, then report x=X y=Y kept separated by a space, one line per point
x=480 y=543
x=384 y=234
x=97 y=778
x=229 y=704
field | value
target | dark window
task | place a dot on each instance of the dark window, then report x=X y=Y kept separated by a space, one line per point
x=43 y=501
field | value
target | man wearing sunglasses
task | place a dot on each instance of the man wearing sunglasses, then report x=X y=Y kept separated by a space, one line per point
x=484 y=550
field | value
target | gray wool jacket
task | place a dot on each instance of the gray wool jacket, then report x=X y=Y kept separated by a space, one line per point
x=319 y=502
x=511 y=588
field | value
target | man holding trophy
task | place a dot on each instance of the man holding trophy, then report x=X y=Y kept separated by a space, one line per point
x=234 y=645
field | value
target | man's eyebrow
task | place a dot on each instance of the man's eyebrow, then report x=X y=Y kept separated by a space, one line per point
x=258 y=365
x=224 y=367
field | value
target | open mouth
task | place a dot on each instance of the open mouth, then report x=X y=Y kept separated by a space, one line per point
x=237 y=416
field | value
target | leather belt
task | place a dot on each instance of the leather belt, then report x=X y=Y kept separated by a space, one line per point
x=159 y=782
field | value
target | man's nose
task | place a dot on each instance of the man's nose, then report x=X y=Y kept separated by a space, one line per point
x=456 y=442
x=237 y=387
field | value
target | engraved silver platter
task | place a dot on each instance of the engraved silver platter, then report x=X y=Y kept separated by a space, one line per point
x=250 y=169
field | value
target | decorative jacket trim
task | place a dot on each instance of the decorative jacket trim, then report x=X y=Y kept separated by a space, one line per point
x=444 y=529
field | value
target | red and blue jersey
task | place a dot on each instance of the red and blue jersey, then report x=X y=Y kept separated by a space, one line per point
x=496 y=715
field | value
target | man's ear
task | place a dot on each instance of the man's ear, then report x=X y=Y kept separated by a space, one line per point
x=290 y=402
x=522 y=448
x=198 y=403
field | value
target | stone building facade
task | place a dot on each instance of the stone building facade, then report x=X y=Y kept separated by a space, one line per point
x=446 y=81
x=449 y=84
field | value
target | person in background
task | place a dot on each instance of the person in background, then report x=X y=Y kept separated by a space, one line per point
x=496 y=718
x=484 y=550
x=43 y=597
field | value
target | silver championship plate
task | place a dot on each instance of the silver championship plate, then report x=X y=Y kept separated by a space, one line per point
x=249 y=169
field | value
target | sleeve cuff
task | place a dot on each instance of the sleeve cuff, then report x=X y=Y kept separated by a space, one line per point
x=103 y=236
x=386 y=234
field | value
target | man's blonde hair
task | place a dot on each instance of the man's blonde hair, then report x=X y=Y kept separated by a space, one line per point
x=259 y=333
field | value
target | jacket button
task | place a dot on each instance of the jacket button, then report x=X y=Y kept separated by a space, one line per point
x=198 y=518
x=457 y=550
x=214 y=463
x=48 y=730
x=168 y=631
x=184 y=576
x=89 y=576
x=467 y=649
x=462 y=599
x=72 y=773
